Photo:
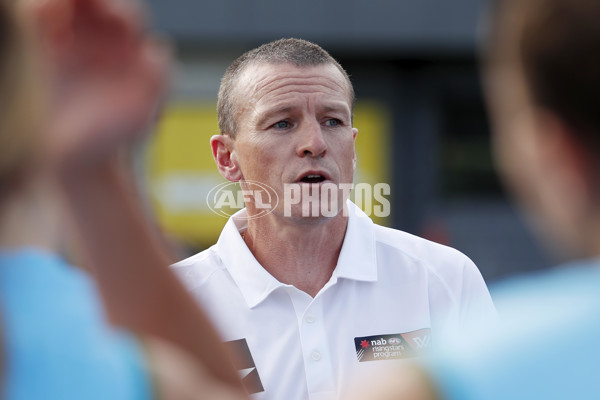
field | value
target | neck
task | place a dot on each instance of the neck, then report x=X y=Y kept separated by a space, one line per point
x=29 y=216
x=302 y=255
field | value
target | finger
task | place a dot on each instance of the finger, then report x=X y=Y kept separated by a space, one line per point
x=149 y=97
x=116 y=116
x=126 y=15
x=60 y=22
x=52 y=20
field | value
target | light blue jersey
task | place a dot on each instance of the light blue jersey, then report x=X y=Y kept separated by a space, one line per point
x=56 y=341
x=547 y=345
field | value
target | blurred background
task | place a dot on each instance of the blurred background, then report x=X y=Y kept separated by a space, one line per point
x=422 y=123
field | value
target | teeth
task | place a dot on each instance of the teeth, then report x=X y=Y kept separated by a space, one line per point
x=313 y=178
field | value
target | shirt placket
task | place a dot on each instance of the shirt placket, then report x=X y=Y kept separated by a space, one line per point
x=315 y=345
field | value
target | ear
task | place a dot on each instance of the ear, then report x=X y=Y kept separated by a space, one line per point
x=354 y=134
x=223 y=151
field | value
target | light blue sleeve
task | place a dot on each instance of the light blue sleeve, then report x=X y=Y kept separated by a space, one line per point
x=57 y=343
x=544 y=348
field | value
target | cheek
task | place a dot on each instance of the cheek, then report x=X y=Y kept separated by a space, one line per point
x=514 y=130
x=508 y=154
x=518 y=161
x=347 y=160
x=260 y=160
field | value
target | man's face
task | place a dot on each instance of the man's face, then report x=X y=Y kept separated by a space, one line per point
x=294 y=127
x=514 y=135
x=530 y=155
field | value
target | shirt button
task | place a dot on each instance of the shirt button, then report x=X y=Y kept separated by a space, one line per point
x=316 y=356
x=310 y=319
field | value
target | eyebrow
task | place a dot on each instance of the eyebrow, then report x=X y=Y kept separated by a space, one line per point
x=269 y=114
x=287 y=109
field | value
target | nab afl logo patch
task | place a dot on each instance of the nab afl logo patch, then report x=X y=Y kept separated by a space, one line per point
x=392 y=347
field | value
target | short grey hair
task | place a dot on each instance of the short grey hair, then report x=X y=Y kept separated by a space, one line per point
x=298 y=52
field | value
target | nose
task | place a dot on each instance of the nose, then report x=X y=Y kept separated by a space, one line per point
x=312 y=143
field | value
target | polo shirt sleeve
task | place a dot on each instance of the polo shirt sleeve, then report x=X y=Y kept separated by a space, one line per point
x=476 y=306
x=459 y=298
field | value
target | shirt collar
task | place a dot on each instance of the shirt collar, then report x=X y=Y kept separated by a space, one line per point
x=254 y=281
x=357 y=259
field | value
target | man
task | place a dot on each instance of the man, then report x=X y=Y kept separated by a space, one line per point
x=314 y=298
x=543 y=86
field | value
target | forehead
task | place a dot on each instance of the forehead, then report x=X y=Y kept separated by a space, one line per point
x=263 y=83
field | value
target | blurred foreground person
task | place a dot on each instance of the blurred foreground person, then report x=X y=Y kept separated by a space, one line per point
x=542 y=70
x=79 y=81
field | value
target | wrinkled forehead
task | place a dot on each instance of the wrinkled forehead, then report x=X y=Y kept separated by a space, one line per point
x=259 y=78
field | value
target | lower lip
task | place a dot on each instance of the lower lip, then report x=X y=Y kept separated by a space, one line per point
x=314 y=183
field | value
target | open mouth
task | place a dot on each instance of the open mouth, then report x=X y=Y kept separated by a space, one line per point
x=311 y=178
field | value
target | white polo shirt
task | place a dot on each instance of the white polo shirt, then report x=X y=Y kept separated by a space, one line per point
x=388 y=290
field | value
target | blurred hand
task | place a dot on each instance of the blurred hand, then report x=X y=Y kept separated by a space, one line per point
x=105 y=77
x=179 y=377
x=402 y=382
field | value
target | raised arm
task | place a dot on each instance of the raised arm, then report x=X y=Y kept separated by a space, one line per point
x=106 y=78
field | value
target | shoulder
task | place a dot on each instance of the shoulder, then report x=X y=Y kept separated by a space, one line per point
x=453 y=285
x=194 y=271
x=438 y=258
x=450 y=275
x=545 y=317
x=566 y=290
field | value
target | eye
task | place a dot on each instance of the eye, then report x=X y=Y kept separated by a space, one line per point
x=281 y=125
x=333 y=122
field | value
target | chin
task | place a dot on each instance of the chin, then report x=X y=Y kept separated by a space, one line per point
x=560 y=241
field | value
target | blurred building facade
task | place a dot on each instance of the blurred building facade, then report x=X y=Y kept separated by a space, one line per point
x=424 y=128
